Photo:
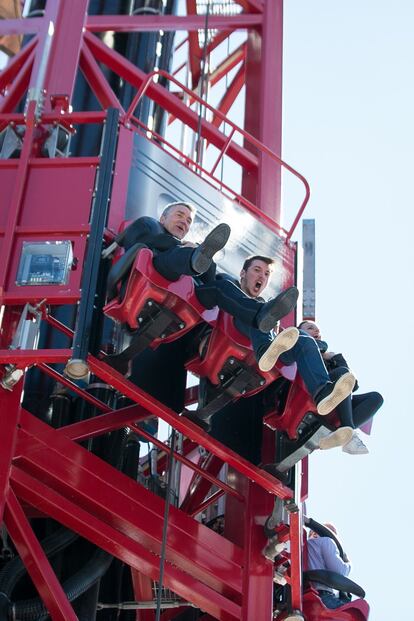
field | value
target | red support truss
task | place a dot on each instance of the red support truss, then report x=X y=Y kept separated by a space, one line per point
x=47 y=472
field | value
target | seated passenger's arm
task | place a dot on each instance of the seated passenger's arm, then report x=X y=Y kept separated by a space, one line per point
x=332 y=559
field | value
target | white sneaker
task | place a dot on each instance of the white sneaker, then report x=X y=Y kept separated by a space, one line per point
x=339 y=437
x=284 y=341
x=355 y=446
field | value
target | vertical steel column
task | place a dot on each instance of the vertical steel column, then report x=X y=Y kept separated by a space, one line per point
x=57 y=57
x=77 y=367
x=257 y=571
x=263 y=118
x=9 y=421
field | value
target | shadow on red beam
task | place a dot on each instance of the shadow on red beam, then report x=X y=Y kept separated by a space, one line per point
x=116 y=419
x=127 y=388
x=27 y=357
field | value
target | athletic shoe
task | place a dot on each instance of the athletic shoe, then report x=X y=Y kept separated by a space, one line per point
x=355 y=446
x=333 y=394
x=284 y=341
x=202 y=256
x=339 y=437
x=275 y=309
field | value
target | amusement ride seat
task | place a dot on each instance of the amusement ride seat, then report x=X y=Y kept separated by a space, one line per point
x=151 y=308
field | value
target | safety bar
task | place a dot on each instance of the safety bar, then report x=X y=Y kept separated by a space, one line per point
x=262 y=148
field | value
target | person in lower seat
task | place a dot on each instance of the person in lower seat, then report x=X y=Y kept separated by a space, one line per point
x=291 y=346
x=355 y=410
x=174 y=257
x=323 y=553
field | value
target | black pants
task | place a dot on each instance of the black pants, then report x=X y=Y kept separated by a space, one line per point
x=230 y=298
x=356 y=409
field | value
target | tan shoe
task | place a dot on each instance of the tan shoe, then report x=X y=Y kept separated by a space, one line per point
x=337 y=392
x=284 y=341
x=339 y=437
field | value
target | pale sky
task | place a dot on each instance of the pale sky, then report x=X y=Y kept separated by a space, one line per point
x=348 y=127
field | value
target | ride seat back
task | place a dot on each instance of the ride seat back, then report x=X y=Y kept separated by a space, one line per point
x=315 y=610
x=146 y=287
x=228 y=352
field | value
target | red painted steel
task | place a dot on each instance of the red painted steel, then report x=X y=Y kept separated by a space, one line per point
x=190 y=23
x=240 y=155
x=9 y=421
x=188 y=428
x=36 y=562
x=295 y=529
x=190 y=464
x=48 y=469
x=123 y=546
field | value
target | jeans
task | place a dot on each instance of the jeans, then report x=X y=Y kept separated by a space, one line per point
x=356 y=409
x=174 y=262
x=305 y=353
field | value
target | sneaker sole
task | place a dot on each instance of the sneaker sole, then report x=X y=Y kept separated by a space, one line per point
x=342 y=389
x=337 y=438
x=284 y=303
x=283 y=342
x=215 y=241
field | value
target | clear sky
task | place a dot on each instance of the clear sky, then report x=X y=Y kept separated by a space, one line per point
x=348 y=127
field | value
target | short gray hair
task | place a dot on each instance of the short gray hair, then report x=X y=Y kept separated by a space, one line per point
x=168 y=207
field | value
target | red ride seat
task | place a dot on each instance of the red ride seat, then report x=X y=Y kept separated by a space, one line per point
x=230 y=365
x=147 y=291
x=315 y=610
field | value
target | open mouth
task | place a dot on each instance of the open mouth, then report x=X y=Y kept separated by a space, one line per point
x=258 y=285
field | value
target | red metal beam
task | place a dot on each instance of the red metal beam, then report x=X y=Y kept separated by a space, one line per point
x=199 y=487
x=20 y=26
x=27 y=357
x=14 y=66
x=35 y=560
x=16 y=198
x=19 y=86
x=66 y=46
x=190 y=23
x=295 y=531
x=97 y=81
x=116 y=419
x=252 y=5
x=188 y=428
x=230 y=95
x=227 y=65
x=167 y=100
x=190 y=464
x=123 y=546
x=9 y=421
x=113 y=498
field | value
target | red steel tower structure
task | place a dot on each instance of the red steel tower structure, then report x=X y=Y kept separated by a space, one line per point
x=98 y=125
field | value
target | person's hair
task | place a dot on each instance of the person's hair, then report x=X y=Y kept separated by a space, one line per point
x=257 y=257
x=331 y=527
x=170 y=206
x=302 y=323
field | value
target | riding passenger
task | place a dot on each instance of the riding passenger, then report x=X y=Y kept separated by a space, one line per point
x=173 y=258
x=298 y=347
x=355 y=410
x=323 y=553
